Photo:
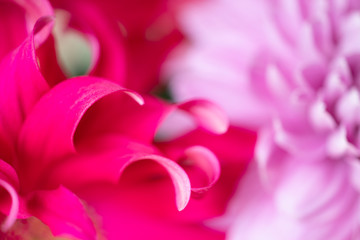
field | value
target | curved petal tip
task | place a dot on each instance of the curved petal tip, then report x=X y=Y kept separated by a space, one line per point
x=208 y=115
x=178 y=176
x=14 y=209
x=134 y=95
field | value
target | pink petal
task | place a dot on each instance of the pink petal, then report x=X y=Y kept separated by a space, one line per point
x=63 y=212
x=98 y=160
x=9 y=181
x=49 y=130
x=208 y=162
x=34 y=11
x=106 y=159
x=8 y=174
x=207 y=114
x=130 y=119
x=18 y=19
x=14 y=209
x=178 y=176
x=124 y=211
x=233 y=160
x=12 y=25
x=48 y=62
x=21 y=85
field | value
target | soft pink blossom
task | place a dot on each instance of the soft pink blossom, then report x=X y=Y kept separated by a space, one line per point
x=288 y=69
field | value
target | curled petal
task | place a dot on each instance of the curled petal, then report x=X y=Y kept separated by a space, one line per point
x=109 y=164
x=34 y=11
x=207 y=161
x=18 y=19
x=178 y=176
x=21 y=85
x=14 y=209
x=49 y=130
x=207 y=114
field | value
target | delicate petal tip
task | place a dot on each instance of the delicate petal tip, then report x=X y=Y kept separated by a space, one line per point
x=208 y=115
x=42 y=22
x=208 y=162
x=14 y=209
x=178 y=176
x=137 y=97
x=337 y=144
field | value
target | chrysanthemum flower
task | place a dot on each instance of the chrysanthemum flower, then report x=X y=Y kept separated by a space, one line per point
x=289 y=69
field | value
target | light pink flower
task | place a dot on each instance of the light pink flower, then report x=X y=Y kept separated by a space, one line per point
x=290 y=70
x=79 y=155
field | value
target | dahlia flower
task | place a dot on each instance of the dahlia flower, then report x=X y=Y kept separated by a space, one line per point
x=78 y=157
x=289 y=70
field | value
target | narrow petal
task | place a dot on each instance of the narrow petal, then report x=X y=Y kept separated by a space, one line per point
x=17 y=20
x=208 y=162
x=9 y=182
x=21 y=85
x=14 y=209
x=178 y=176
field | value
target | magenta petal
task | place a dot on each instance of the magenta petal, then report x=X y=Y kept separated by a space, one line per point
x=21 y=85
x=178 y=176
x=207 y=114
x=17 y=19
x=12 y=24
x=34 y=11
x=49 y=130
x=9 y=181
x=107 y=166
x=98 y=160
x=208 y=162
x=14 y=209
x=7 y=173
x=63 y=212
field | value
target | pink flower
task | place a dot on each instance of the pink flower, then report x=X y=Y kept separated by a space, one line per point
x=78 y=157
x=288 y=69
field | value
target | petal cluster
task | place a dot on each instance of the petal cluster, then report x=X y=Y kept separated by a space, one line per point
x=78 y=154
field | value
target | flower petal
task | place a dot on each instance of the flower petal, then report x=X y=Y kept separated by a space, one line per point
x=207 y=114
x=178 y=176
x=21 y=85
x=9 y=182
x=63 y=212
x=14 y=209
x=49 y=130
x=18 y=19
x=208 y=162
x=107 y=161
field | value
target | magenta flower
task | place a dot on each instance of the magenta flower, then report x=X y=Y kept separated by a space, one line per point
x=78 y=157
x=288 y=69
x=128 y=41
